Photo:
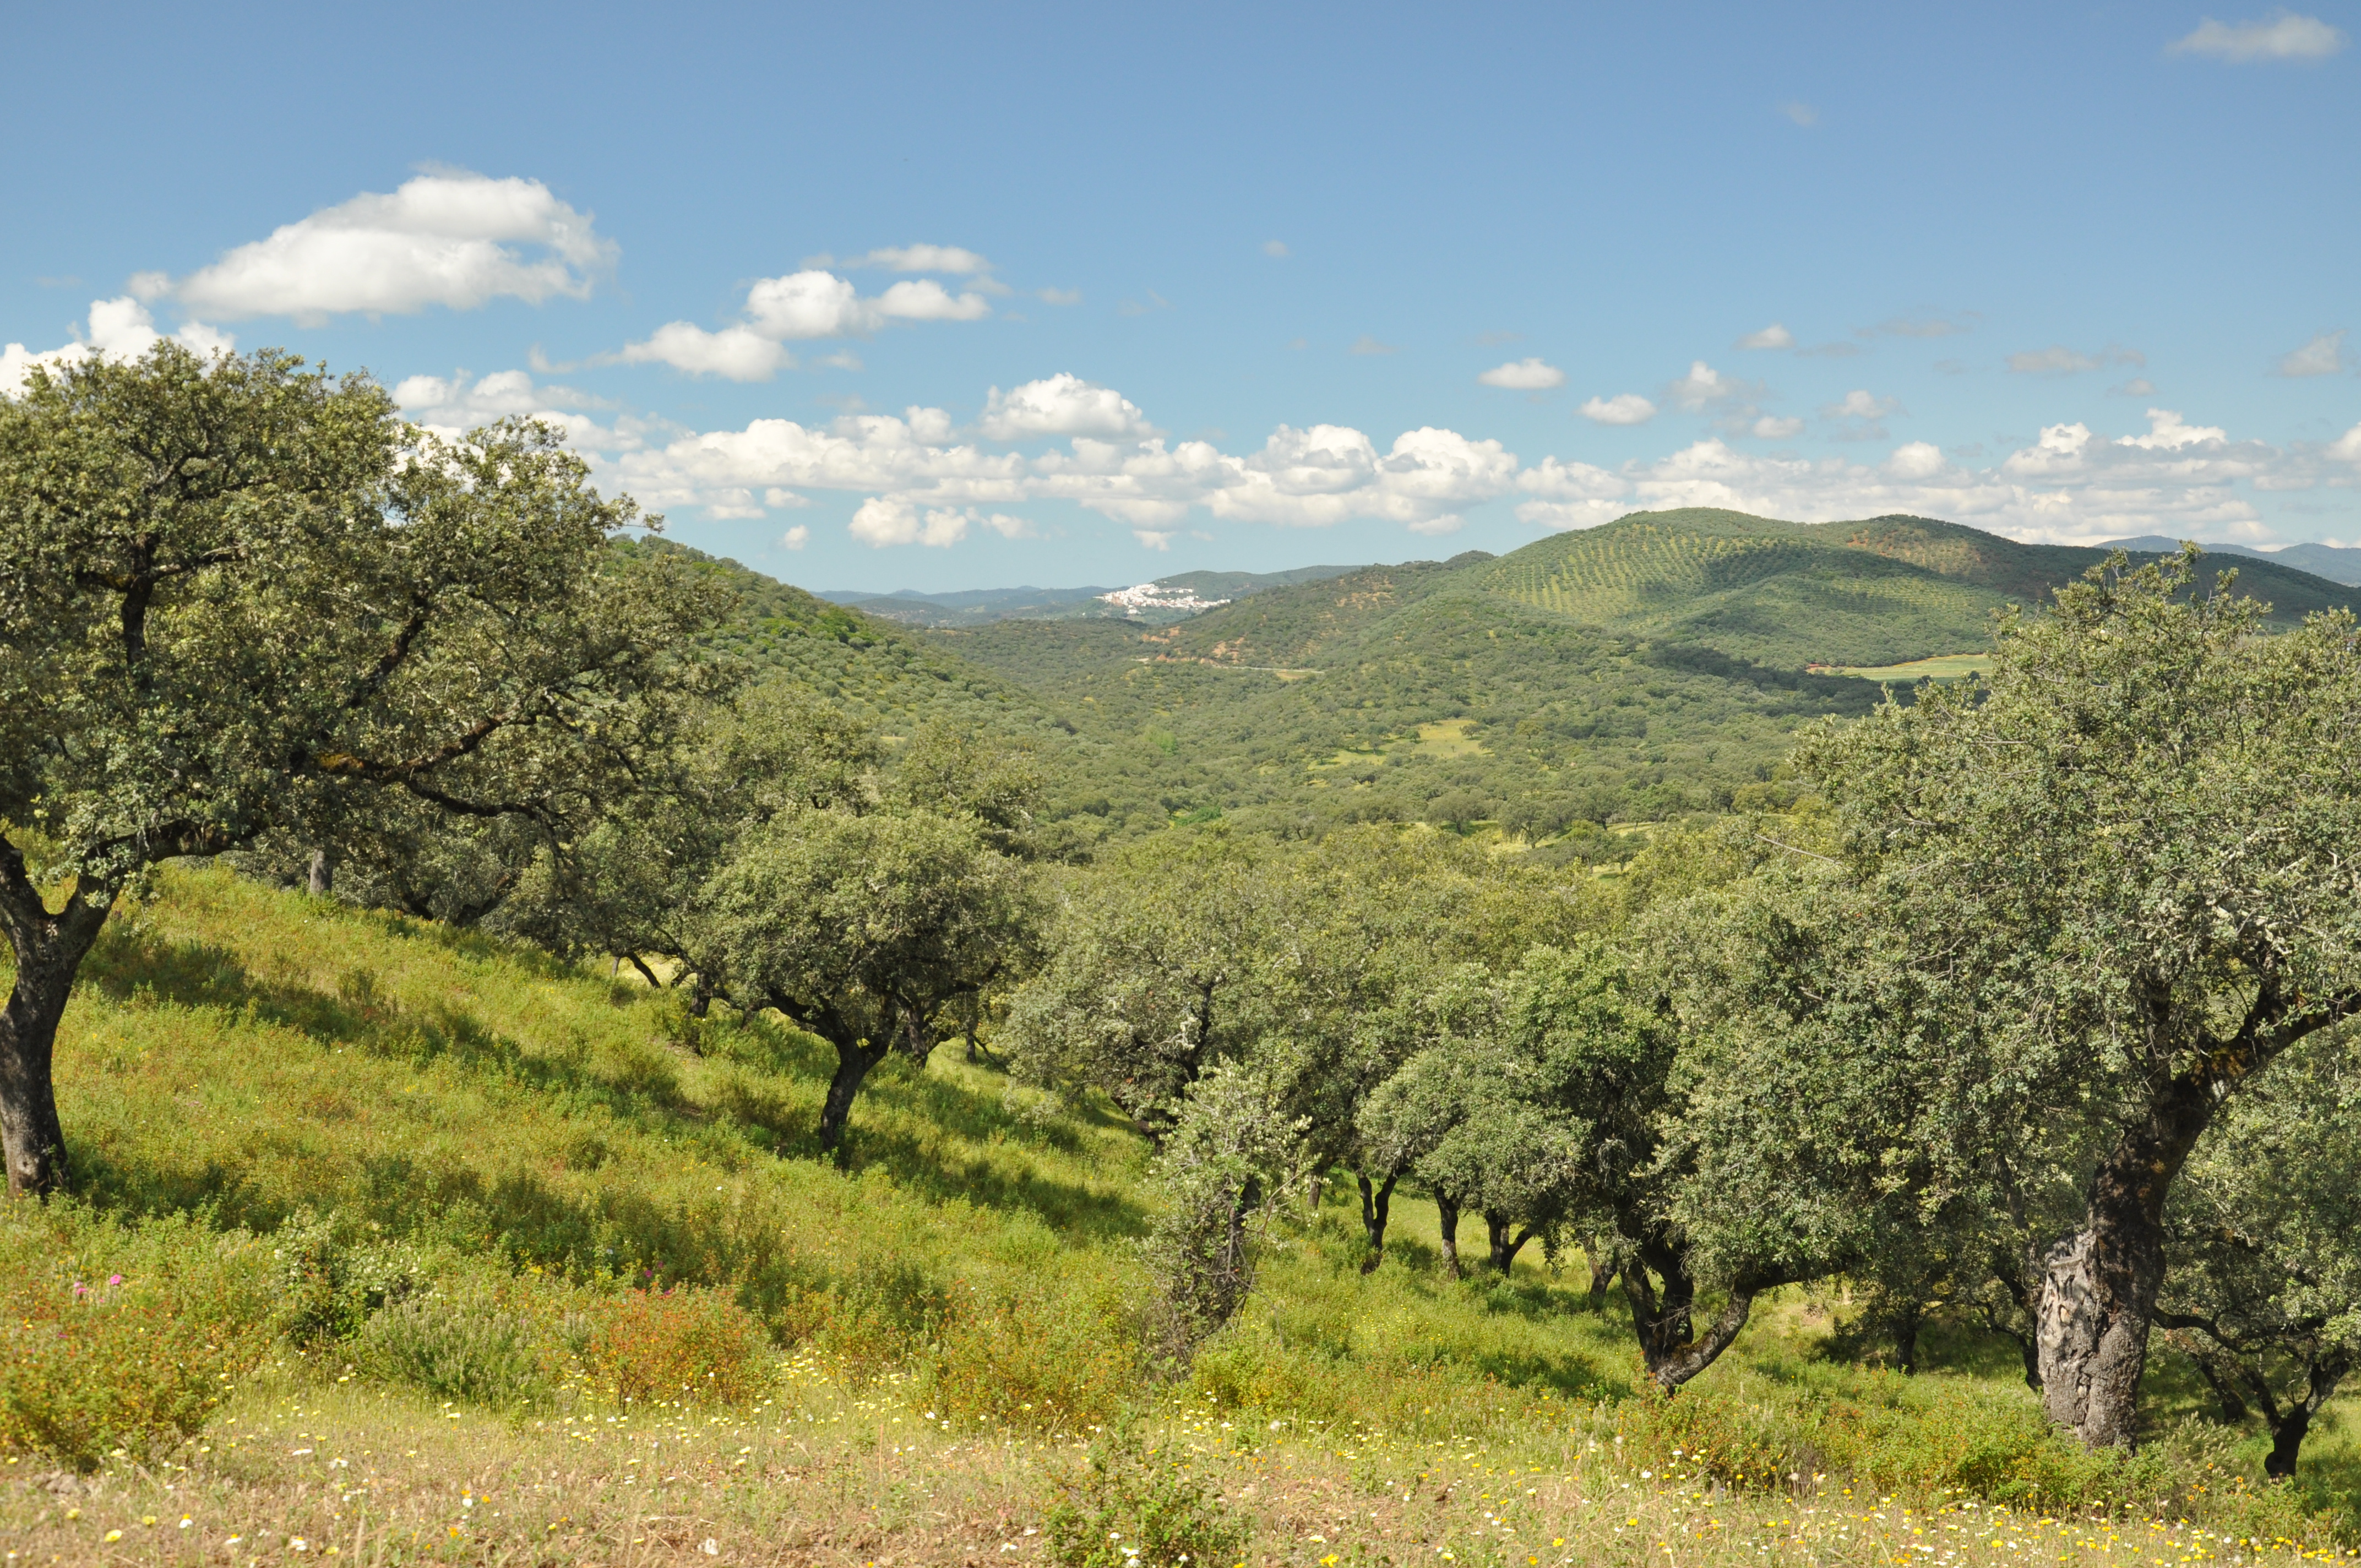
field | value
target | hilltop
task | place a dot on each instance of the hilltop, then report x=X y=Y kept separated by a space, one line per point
x=1881 y=591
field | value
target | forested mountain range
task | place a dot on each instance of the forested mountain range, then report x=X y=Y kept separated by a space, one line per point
x=1653 y=667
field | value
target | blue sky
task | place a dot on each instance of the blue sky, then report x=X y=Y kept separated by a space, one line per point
x=952 y=297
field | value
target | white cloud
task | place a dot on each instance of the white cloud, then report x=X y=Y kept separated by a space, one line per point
x=923 y=258
x=796 y=537
x=2282 y=35
x=1447 y=523
x=1623 y=408
x=921 y=484
x=1365 y=344
x=1064 y=405
x=1915 y=460
x=924 y=300
x=735 y=353
x=2323 y=356
x=119 y=329
x=798 y=305
x=1859 y=415
x=440 y=239
x=1773 y=427
x=1858 y=403
x=1060 y=296
x=1771 y=336
x=1523 y=376
x=1277 y=251
x=1705 y=388
x=807 y=304
x=2059 y=360
x=1800 y=113
x=1570 y=495
x=2166 y=433
x=2138 y=386
x=450 y=406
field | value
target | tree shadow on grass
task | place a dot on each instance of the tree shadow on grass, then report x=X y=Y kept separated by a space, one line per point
x=767 y=1105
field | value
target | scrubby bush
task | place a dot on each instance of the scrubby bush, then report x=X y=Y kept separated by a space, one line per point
x=329 y=1284
x=1134 y=1508
x=686 y=1344
x=117 y=1338
x=469 y=1351
x=1033 y=1355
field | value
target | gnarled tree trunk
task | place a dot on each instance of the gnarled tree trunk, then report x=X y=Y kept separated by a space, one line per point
x=48 y=950
x=1663 y=1318
x=1500 y=1246
x=1376 y=1200
x=2098 y=1286
x=1447 y=1219
x=853 y=1060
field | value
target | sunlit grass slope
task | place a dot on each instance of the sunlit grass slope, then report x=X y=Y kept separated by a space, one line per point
x=951 y=1315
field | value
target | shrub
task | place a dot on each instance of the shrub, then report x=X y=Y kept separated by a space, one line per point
x=329 y=1285
x=688 y=1343
x=1134 y=1508
x=1032 y=1356
x=121 y=1339
x=469 y=1351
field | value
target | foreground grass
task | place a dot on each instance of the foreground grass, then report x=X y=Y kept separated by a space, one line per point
x=825 y=1474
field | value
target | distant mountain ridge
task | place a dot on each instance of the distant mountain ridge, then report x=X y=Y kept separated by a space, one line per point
x=981 y=607
x=2337 y=563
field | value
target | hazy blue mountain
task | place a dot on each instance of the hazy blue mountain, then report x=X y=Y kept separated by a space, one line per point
x=2337 y=563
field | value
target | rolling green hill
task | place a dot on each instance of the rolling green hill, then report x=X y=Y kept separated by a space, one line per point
x=1877 y=592
x=1655 y=666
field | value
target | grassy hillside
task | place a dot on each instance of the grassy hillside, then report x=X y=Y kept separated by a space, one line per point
x=944 y=1324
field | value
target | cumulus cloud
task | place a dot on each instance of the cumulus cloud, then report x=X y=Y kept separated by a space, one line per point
x=1801 y=113
x=797 y=306
x=1523 y=376
x=1915 y=460
x=2323 y=356
x=1859 y=415
x=796 y=537
x=1706 y=389
x=2138 y=386
x=1277 y=251
x=2059 y=360
x=119 y=329
x=2167 y=433
x=1773 y=427
x=924 y=485
x=451 y=405
x=735 y=353
x=1623 y=408
x=459 y=240
x=1771 y=336
x=2282 y=36
x=1064 y=405
x=922 y=482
